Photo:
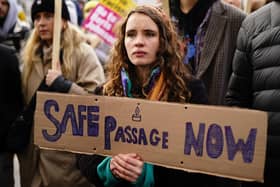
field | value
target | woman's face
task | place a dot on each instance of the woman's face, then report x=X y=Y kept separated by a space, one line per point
x=4 y=8
x=44 y=22
x=141 y=39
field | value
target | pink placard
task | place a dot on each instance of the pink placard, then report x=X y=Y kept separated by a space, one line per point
x=101 y=22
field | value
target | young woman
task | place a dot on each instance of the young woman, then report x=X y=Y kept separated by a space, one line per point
x=145 y=63
x=78 y=71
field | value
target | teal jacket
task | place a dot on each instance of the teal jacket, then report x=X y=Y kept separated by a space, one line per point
x=145 y=180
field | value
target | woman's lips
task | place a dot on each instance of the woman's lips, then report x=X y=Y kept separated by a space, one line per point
x=139 y=53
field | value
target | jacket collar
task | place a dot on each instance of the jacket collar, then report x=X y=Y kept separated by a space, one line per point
x=213 y=36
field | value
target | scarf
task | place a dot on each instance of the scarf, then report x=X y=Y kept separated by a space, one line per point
x=155 y=87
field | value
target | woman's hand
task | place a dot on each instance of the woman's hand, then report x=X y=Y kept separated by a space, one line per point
x=52 y=75
x=127 y=166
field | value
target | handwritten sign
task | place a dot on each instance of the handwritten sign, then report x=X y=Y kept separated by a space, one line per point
x=220 y=141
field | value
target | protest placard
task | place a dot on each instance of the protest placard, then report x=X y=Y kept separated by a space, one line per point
x=104 y=16
x=221 y=141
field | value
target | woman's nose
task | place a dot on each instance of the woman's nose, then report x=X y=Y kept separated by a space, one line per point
x=41 y=21
x=139 y=40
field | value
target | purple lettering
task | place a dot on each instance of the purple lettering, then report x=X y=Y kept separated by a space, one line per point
x=142 y=137
x=47 y=110
x=214 y=141
x=93 y=121
x=110 y=125
x=120 y=135
x=247 y=148
x=164 y=140
x=191 y=141
x=154 y=141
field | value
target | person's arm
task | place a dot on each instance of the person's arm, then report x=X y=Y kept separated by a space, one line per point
x=89 y=74
x=198 y=92
x=239 y=91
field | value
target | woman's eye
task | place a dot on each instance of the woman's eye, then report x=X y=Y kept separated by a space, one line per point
x=130 y=34
x=150 y=34
x=37 y=17
x=49 y=16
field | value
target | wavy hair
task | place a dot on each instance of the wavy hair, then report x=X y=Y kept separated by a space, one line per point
x=71 y=38
x=168 y=58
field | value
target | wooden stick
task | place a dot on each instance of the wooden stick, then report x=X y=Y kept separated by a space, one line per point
x=247 y=6
x=165 y=6
x=56 y=34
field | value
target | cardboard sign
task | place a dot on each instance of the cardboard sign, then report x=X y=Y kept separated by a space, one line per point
x=220 y=141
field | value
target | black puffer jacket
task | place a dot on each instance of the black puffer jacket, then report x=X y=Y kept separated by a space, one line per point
x=255 y=82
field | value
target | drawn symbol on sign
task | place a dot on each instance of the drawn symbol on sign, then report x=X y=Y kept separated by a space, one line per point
x=136 y=116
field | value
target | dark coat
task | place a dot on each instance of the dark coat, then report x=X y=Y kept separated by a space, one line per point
x=219 y=45
x=163 y=176
x=10 y=95
x=255 y=80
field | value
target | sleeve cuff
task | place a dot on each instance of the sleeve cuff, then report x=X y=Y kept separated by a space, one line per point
x=105 y=174
x=61 y=84
x=147 y=177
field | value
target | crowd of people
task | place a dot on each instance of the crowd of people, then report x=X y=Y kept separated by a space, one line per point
x=211 y=52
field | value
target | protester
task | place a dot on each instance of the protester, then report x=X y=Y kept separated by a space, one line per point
x=145 y=63
x=13 y=31
x=10 y=106
x=247 y=5
x=209 y=30
x=254 y=82
x=78 y=71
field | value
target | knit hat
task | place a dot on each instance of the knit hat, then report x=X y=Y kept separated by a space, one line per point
x=48 y=6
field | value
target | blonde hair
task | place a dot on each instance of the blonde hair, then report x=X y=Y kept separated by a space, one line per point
x=71 y=38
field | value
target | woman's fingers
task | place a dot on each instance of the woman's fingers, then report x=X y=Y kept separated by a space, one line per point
x=126 y=175
x=51 y=76
x=127 y=166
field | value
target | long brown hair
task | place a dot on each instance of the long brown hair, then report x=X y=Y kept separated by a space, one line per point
x=168 y=58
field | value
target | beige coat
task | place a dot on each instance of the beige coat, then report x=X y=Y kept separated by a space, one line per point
x=50 y=168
